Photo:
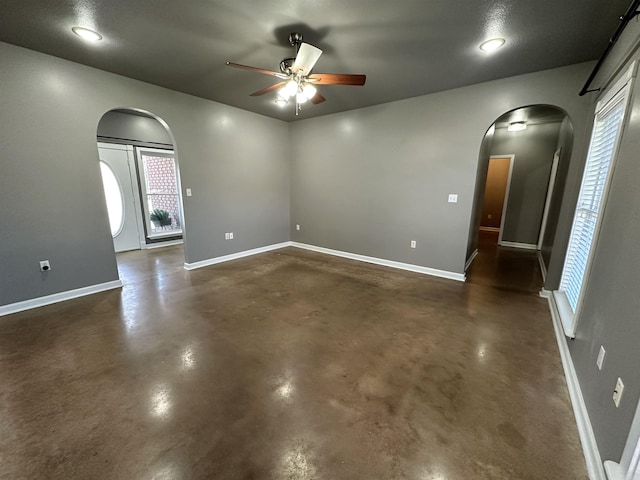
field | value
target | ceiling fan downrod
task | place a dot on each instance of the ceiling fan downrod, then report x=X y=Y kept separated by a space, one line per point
x=295 y=40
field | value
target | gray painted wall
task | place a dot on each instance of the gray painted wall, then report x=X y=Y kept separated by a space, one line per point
x=478 y=196
x=610 y=311
x=133 y=128
x=565 y=144
x=50 y=183
x=368 y=181
x=533 y=149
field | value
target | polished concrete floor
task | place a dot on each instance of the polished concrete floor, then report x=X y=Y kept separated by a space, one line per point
x=289 y=365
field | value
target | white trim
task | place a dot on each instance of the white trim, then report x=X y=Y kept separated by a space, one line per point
x=386 y=263
x=471 y=259
x=58 y=297
x=526 y=246
x=115 y=146
x=135 y=190
x=565 y=313
x=629 y=466
x=169 y=233
x=144 y=207
x=614 y=470
x=489 y=229
x=585 y=431
x=623 y=89
x=337 y=253
x=506 y=191
x=620 y=83
x=543 y=267
x=150 y=246
x=547 y=201
x=234 y=256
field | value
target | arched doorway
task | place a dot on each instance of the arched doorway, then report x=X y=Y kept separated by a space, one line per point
x=522 y=168
x=141 y=180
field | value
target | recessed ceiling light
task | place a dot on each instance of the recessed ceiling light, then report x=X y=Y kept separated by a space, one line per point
x=492 y=45
x=517 y=126
x=87 y=34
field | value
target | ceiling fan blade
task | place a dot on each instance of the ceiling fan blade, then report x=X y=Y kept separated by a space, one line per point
x=306 y=58
x=317 y=98
x=268 y=89
x=337 y=79
x=258 y=70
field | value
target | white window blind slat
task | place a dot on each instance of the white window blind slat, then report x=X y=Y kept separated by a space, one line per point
x=599 y=160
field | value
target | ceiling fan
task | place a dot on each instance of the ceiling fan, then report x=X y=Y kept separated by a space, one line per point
x=298 y=82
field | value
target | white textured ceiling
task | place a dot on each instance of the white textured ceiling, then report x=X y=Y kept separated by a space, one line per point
x=406 y=47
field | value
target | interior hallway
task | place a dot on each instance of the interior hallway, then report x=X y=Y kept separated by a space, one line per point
x=289 y=365
x=505 y=268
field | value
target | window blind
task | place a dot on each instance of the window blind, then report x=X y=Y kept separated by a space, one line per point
x=594 y=182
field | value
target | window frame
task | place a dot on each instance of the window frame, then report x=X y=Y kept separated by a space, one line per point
x=140 y=152
x=619 y=92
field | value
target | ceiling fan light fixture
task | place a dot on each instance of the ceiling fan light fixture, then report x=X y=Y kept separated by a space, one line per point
x=291 y=88
x=516 y=126
x=296 y=79
x=492 y=45
x=284 y=94
x=309 y=91
x=87 y=34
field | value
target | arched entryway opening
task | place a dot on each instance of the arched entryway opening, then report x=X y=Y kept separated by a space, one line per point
x=522 y=168
x=141 y=178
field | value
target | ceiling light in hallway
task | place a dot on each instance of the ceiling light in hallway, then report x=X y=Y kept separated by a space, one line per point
x=87 y=34
x=492 y=45
x=517 y=126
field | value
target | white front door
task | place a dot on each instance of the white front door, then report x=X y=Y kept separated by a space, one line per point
x=121 y=191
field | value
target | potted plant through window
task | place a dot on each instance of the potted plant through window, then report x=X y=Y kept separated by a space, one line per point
x=160 y=218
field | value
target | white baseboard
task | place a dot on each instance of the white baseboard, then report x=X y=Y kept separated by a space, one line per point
x=58 y=297
x=587 y=438
x=149 y=246
x=471 y=259
x=543 y=267
x=386 y=263
x=352 y=256
x=234 y=256
x=526 y=246
x=614 y=470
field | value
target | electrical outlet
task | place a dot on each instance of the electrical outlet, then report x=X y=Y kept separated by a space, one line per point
x=617 y=393
x=453 y=198
x=297 y=227
x=45 y=266
x=600 y=359
x=188 y=192
x=231 y=236
x=413 y=244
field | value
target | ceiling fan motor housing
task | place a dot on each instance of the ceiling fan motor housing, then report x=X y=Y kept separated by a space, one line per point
x=295 y=39
x=286 y=64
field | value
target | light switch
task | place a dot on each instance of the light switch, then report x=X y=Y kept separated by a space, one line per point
x=188 y=192
x=453 y=198
x=600 y=359
x=617 y=393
